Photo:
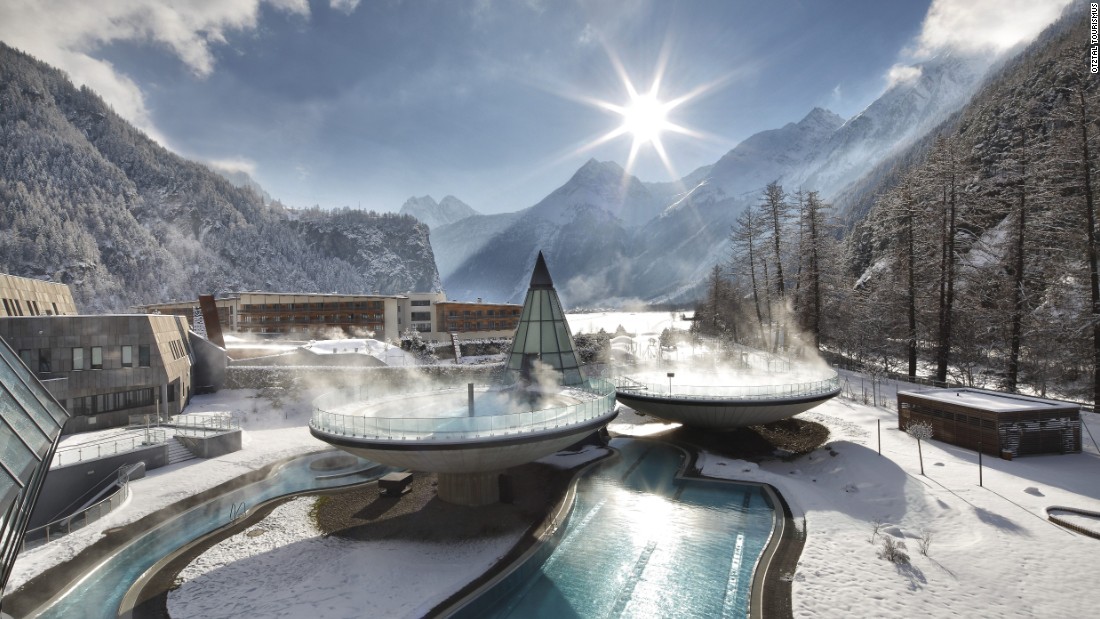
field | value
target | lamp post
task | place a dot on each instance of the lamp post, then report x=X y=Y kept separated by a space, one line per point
x=670 y=376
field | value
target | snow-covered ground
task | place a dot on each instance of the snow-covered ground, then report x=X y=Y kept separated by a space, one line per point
x=282 y=567
x=992 y=551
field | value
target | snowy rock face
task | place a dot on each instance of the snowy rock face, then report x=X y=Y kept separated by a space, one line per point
x=908 y=109
x=447 y=211
x=773 y=154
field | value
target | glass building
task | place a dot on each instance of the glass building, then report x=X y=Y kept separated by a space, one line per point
x=30 y=429
x=542 y=334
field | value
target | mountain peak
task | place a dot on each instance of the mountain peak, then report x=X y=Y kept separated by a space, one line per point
x=823 y=118
x=447 y=211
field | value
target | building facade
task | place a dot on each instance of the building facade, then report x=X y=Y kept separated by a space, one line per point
x=381 y=317
x=105 y=369
x=24 y=296
x=488 y=318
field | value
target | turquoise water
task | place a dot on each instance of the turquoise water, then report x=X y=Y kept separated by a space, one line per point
x=101 y=592
x=640 y=543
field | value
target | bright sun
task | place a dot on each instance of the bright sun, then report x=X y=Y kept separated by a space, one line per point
x=645 y=118
x=645 y=115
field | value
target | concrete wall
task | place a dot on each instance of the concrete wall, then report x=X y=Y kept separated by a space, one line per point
x=66 y=484
x=212 y=446
x=210 y=364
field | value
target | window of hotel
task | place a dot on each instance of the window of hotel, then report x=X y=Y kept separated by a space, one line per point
x=420 y=303
x=143 y=356
x=78 y=359
x=418 y=316
x=44 y=360
x=97 y=357
x=424 y=327
x=127 y=356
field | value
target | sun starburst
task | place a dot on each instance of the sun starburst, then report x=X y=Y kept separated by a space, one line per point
x=645 y=117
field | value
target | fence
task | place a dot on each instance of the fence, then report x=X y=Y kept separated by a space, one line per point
x=738 y=392
x=201 y=425
x=152 y=436
x=457 y=428
x=62 y=527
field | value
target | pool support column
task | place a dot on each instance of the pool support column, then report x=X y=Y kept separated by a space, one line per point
x=470 y=489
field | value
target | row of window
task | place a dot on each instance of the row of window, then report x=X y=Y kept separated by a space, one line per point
x=322 y=318
x=178 y=349
x=84 y=358
x=107 y=402
x=420 y=303
x=421 y=316
x=14 y=307
x=489 y=325
x=477 y=313
x=298 y=307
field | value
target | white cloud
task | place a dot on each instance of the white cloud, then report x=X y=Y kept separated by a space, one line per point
x=347 y=7
x=900 y=73
x=984 y=25
x=234 y=164
x=65 y=34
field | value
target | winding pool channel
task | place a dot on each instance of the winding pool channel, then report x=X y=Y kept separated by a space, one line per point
x=103 y=588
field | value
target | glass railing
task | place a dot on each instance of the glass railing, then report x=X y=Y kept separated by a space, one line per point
x=132 y=442
x=600 y=403
x=627 y=385
x=201 y=425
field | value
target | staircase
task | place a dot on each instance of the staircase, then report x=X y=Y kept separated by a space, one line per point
x=178 y=452
x=458 y=348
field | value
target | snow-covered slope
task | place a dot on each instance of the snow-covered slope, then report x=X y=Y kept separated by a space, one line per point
x=908 y=109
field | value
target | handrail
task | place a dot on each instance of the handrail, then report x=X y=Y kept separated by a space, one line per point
x=74 y=522
x=98 y=450
x=627 y=386
x=201 y=425
x=457 y=428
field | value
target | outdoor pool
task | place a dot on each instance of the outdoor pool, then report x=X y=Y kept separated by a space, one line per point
x=641 y=542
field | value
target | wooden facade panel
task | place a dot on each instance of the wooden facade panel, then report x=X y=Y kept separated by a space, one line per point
x=1048 y=427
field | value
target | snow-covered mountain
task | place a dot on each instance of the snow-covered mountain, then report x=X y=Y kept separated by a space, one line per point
x=90 y=201
x=447 y=211
x=910 y=108
x=773 y=154
x=612 y=237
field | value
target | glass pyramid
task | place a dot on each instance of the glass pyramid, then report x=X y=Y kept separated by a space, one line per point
x=30 y=429
x=542 y=334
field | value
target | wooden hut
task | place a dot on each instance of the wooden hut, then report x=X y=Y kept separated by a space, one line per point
x=1004 y=424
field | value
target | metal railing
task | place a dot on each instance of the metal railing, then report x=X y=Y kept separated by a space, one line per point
x=72 y=455
x=458 y=428
x=201 y=425
x=64 y=526
x=627 y=385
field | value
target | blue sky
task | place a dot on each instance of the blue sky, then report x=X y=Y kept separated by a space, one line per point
x=363 y=104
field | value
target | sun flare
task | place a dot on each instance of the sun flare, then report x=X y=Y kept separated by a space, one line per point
x=645 y=118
